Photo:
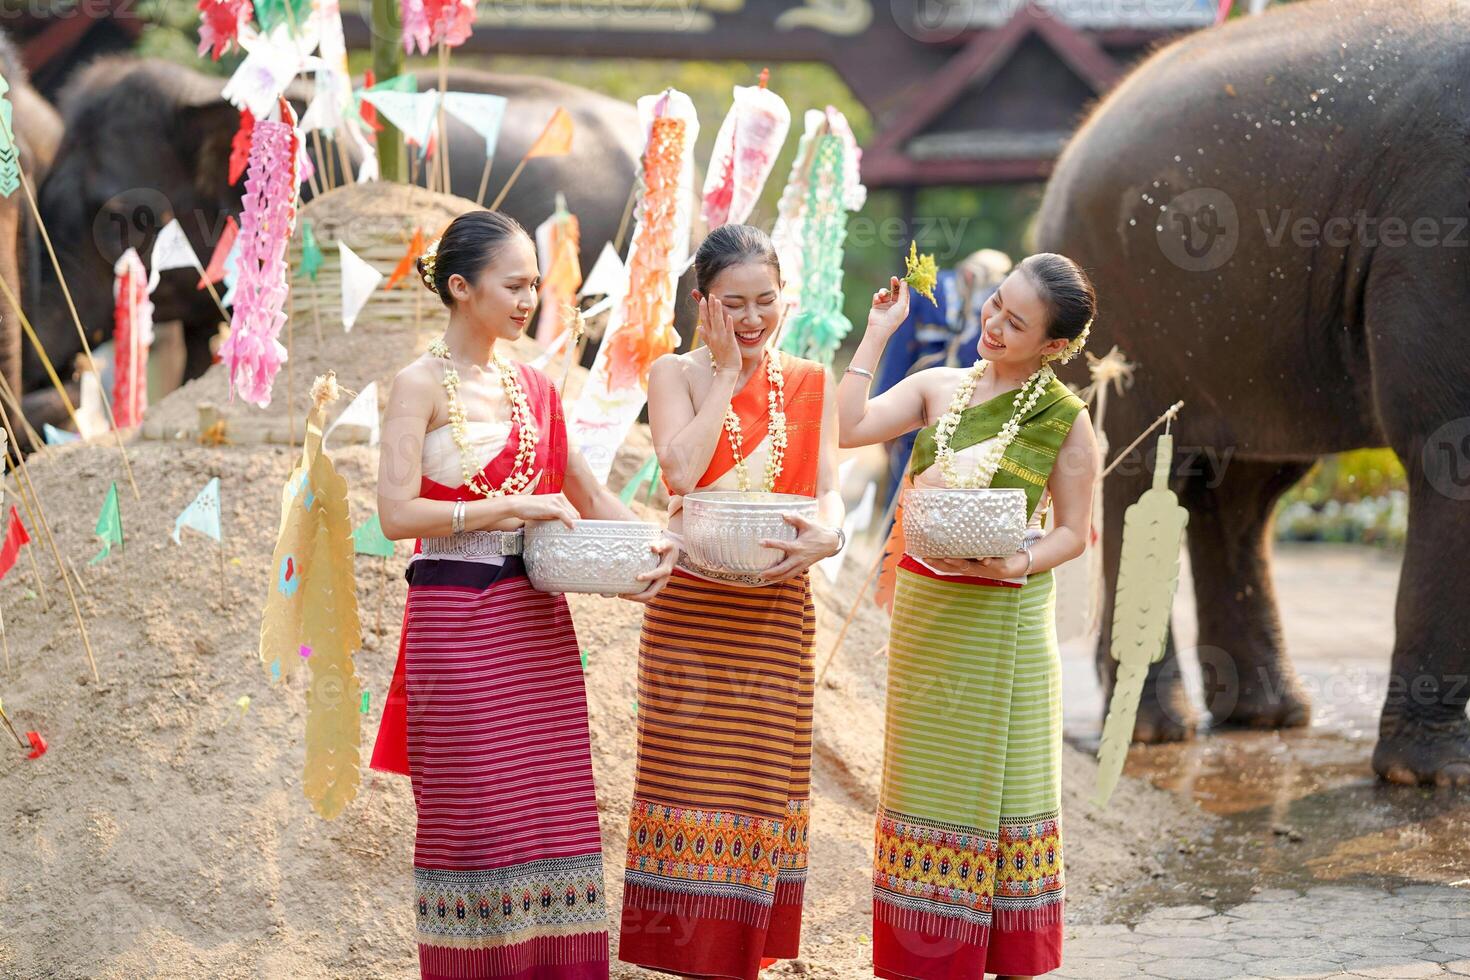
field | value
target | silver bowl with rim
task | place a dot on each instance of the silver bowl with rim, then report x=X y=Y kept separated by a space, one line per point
x=723 y=528
x=985 y=522
x=604 y=557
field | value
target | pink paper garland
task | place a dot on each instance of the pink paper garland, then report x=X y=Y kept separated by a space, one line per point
x=252 y=353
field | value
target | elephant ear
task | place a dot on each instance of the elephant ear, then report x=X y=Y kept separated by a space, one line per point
x=201 y=137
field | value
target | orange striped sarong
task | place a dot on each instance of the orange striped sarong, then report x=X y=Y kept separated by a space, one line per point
x=717 y=839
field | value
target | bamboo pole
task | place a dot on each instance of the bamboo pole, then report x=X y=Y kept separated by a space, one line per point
x=51 y=540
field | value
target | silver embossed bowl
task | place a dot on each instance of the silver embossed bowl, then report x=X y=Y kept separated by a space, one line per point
x=980 y=523
x=594 y=556
x=723 y=528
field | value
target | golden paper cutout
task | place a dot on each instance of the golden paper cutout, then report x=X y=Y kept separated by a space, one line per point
x=333 y=722
x=312 y=601
x=1148 y=575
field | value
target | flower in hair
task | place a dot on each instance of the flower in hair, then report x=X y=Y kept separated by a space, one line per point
x=426 y=262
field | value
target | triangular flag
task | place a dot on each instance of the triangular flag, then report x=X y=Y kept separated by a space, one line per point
x=359 y=279
x=648 y=471
x=202 y=514
x=109 y=525
x=15 y=536
x=405 y=264
x=363 y=412
x=412 y=112
x=171 y=249
x=556 y=139
x=608 y=277
x=56 y=437
x=311 y=252
x=215 y=271
x=481 y=112
x=369 y=539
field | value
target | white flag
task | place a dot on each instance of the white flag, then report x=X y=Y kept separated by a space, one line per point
x=481 y=112
x=359 y=279
x=607 y=278
x=411 y=112
x=171 y=250
x=363 y=411
x=203 y=514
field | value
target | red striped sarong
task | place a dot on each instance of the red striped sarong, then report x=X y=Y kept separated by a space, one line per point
x=508 y=858
x=488 y=714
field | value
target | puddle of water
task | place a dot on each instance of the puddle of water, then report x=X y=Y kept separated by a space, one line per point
x=1298 y=807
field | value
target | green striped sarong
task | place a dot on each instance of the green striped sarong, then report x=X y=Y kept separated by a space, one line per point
x=967 y=875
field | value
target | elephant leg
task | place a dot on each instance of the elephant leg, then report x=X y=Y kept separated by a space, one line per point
x=1165 y=713
x=1423 y=733
x=1248 y=680
x=1421 y=384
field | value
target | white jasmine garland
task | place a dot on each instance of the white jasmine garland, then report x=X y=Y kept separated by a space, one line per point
x=522 y=471
x=776 y=401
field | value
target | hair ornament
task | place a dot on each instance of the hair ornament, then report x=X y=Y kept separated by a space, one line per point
x=426 y=261
x=1072 y=349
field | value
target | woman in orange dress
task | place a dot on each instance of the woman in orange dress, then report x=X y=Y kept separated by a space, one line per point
x=717 y=838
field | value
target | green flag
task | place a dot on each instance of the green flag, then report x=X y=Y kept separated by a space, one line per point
x=311 y=252
x=647 y=473
x=369 y=539
x=109 y=525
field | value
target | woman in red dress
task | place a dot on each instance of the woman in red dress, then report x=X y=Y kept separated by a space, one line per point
x=487 y=712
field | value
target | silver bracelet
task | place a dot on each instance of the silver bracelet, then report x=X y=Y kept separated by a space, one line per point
x=1030 y=558
x=456 y=518
x=860 y=371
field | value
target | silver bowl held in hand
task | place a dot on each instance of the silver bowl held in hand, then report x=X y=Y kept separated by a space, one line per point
x=723 y=528
x=604 y=557
x=980 y=523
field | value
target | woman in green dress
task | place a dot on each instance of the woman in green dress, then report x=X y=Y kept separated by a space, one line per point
x=967 y=875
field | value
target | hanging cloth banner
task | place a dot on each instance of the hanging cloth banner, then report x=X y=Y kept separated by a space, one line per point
x=9 y=151
x=750 y=138
x=558 y=242
x=132 y=325
x=789 y=234
x=640 y=327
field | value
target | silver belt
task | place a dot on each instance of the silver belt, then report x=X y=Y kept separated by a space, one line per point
x=473 y=544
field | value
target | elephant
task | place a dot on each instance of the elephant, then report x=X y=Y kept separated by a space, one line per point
x=1275 y=209
x=147 y=140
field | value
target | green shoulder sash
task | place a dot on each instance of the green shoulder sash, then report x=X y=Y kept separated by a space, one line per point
x=1028 y=460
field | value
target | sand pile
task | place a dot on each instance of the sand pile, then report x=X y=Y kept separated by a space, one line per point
x=165 y=833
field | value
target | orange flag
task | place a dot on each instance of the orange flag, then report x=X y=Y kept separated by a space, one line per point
x=405 y=264
x=556 y=139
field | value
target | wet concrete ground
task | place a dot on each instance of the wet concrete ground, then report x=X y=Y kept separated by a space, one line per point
x=1312 y=853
